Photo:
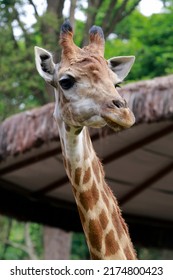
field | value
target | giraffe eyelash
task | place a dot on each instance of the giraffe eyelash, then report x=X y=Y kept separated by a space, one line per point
x=118 y=85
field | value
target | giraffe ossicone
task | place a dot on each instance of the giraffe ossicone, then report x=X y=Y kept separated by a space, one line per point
x=86 y=96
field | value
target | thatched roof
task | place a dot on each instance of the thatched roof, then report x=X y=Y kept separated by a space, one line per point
x=24 y=131
x=150 y=100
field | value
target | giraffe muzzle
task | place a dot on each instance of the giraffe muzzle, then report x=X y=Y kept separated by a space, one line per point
x=117 y=115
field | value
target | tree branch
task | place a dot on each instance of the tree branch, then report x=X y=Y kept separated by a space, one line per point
x=29 y=244
x=91 y=16
x=110 y=9
x=16 y=46
x=34 y=6
x=110 y=13
x=27 y=248
x=21 y=24
x=9 y=225
x=115 y=17
x=16 y=245
x=132 y=8
x=119 y=14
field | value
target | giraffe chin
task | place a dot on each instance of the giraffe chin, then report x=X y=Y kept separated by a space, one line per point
x=116 y=125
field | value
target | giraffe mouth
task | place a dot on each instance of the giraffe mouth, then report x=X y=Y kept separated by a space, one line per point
x=119 y=122
x=114 y=126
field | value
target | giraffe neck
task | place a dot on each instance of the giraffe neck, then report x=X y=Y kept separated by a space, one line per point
x=105 y=230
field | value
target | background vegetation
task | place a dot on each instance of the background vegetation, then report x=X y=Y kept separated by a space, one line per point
x=127 y=32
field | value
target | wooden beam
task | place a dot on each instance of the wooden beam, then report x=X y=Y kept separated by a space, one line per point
x=34 y=159
x=14 y=187
x=146 y=184
x=138 y=144
x=55 y=185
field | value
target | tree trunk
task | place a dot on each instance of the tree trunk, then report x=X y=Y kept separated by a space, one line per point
x=57 y=244
x=114 y=12
x=72 y=13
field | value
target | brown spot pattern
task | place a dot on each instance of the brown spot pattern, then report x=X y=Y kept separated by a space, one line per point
x=111 y=244
x=103 y=219
x=93 y=65
x=117 y=223
x=89 y=198
x=82 y=217
x=94 y=256
x=78 y=173
x=129 y=253
x=95 y=234
x=124 y=225
x=108 y=191
x=87 y=176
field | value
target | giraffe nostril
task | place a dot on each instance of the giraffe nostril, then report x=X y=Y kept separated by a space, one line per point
x=119 y=104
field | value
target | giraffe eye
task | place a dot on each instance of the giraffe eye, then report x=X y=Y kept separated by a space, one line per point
x=67 y=82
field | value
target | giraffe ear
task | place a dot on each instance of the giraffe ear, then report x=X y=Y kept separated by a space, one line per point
x=121 y=65
x=44 y=64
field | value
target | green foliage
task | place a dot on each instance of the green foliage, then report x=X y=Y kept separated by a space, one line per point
x=152 y=46
x=79 y=250
x=21 y=88
x=47 y=22
x=154 y=254
x=13 y=239
x=79 y=28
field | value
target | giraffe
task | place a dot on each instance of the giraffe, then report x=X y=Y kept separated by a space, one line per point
x=85 y=86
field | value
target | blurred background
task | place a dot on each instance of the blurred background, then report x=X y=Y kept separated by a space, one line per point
x=132 y=27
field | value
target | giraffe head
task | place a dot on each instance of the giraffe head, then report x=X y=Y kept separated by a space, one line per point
x=86 y=83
